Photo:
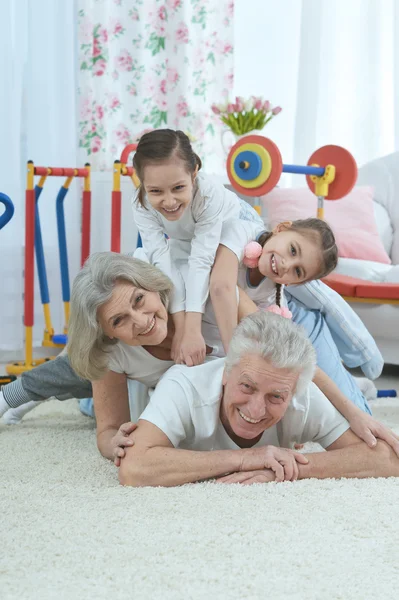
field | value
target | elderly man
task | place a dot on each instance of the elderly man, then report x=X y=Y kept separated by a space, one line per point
x=233 y=418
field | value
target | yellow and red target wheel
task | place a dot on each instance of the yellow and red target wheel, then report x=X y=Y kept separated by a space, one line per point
x=254 y=165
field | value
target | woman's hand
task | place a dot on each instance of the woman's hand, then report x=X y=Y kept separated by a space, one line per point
x=368 y=429
x=249 y=477
x=192 y=349
x=121 y=440
x=282 y=461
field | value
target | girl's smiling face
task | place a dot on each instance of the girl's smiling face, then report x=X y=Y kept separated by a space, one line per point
x=169 y=187
x=289 y=257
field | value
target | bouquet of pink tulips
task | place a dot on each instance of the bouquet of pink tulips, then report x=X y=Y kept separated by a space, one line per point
x=244 y=116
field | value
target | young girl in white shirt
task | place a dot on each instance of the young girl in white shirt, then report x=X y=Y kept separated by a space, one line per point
x=192 y=208
x=292 y=254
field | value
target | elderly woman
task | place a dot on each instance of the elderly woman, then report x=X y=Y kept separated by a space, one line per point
x=229 y=417
x=120 y=334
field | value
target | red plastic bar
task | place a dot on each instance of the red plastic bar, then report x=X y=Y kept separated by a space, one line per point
x=128 y=171
x=61 y=172
x=126 y=151
x=86 y=218
x=29 y=256
x=116 y=221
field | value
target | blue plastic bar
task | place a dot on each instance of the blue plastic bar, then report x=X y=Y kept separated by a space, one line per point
x=387 y=394
x=41 y=265
x=62 y=244
x=9 y=210
x=303 y=170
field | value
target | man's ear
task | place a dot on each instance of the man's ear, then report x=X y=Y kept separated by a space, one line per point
x=284 y=226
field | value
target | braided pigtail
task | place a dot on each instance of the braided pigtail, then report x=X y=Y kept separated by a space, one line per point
x=278 y=294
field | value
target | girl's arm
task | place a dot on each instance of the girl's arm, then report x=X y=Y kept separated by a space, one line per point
x=209 y=211
x=364 y=425
x=222 y=289
x=111 y=406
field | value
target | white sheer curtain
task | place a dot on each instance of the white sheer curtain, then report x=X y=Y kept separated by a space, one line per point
x=38 y=122
x=332 y=66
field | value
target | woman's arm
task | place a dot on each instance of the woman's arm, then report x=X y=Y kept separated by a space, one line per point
x=222 y=289
x=111 y=407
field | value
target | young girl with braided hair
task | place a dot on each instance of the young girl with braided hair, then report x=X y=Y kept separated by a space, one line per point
x=293 y=253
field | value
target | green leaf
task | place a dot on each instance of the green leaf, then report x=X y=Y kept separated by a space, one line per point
x=155 y=44
x=211 y=57
x=210 y=129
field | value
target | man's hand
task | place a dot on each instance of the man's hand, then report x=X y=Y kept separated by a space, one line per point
x=368 y=429
x=249 y=477
x=192 y=349
x=283 y=462
x=121 y=440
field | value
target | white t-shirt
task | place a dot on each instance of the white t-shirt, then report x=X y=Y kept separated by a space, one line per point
x=186 y=406
x=236 y=236
x=200 y=228
x=137 y=364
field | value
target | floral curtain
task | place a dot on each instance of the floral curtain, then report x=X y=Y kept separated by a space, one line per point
x=146 y=64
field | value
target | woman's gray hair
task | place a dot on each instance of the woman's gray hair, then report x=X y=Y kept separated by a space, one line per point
x=93 y=286
x=276 y=339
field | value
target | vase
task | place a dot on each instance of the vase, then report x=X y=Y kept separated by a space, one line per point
x=229 y=140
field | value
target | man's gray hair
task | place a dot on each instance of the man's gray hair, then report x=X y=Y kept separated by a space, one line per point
x=88 y=346
x=276 y=339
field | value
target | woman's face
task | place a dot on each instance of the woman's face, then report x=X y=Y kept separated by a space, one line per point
x=134 y=316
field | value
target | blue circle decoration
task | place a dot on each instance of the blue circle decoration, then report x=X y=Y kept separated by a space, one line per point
x=248 y=165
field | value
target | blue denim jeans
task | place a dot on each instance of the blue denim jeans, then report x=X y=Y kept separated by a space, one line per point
x=328 y=358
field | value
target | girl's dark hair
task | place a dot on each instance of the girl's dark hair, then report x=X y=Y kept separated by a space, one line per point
x=160 y=145
x=319 y=231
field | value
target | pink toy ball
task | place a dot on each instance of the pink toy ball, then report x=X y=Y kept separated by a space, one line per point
x=252 y=252
x=277 y=310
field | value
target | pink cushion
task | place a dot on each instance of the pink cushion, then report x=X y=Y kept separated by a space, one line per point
x=351 y=219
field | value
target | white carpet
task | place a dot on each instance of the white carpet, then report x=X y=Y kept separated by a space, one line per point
x=69 y=531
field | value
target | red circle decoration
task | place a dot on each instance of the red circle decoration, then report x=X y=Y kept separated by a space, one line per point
x=276 y=160
x=345 y=170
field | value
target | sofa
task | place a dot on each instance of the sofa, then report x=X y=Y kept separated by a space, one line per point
x=381 y=320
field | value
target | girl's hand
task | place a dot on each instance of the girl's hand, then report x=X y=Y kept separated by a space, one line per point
x=192 y=349
x=176 y=344
x=121 y=440
x=368 y=429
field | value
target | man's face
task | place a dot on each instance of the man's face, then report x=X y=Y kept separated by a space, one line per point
x=256 y=396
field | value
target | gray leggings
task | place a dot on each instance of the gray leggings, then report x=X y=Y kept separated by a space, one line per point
x=54 y=378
